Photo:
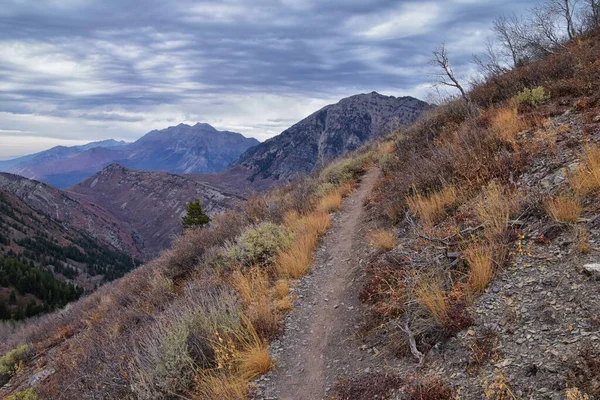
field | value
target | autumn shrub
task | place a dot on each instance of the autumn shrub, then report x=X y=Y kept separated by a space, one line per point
x=260 y=244
x=428 y=388
x=385 y=289
x=367 y=386
x=583 y=371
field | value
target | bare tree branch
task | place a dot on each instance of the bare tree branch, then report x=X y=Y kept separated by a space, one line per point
x=447 y=76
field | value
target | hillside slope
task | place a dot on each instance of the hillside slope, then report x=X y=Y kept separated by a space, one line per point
x=150 y=203
x=72 y=213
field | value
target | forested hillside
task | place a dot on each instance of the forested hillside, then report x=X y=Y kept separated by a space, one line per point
x=46 y=265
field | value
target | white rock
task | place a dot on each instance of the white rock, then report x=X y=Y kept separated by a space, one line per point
x=593 y=269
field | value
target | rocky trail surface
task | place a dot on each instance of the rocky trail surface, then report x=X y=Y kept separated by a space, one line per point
x=320 y=343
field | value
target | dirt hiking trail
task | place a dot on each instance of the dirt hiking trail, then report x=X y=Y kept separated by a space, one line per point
x=320 y=342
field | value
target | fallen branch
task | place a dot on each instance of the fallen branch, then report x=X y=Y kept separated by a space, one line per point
x=412 y=342
x=445 y=240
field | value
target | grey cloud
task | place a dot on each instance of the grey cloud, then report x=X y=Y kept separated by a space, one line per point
x=125 y=67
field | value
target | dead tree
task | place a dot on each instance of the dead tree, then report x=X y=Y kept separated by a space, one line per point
x=446 y=76
x=509 y=32
x=566 y=10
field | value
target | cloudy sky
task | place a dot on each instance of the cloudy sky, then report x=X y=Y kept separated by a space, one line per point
x=74 y=71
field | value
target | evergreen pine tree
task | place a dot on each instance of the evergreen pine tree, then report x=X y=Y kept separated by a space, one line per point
x=195 y=217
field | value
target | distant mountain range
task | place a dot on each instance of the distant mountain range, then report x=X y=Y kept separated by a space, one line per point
x=179 y=149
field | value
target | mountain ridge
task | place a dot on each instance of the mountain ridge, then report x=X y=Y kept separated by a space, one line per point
x=183 y=148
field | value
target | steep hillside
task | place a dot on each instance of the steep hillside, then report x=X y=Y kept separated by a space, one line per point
x=328 y=133
x=151 y=203
x=178 y=149
x=72 y=213
x=42 y=258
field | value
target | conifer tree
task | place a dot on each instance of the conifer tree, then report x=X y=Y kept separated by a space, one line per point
x=195 y=217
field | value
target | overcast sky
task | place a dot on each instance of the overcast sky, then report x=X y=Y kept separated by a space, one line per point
x=74 y=71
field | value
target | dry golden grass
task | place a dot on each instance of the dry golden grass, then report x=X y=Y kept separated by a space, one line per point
x=281 y=289
x=481 y=265
x=382 y=239
x=296 y=260
x=507 y=124
x=431 y=295
x=433 y=207
x=493 y=209
x=583 y=240
x=587 y=177
x=346 y=188
x=575 y=394
x=252 y=286
x=331 y=202
x=222 y=387
x=254 y=362
x=284 y=305
x=564 y=208
x=317 y=222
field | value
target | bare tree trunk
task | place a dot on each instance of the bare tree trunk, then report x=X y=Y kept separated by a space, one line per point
x=447 y=76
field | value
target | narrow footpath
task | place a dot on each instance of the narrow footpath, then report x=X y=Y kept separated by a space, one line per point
x=320 y=342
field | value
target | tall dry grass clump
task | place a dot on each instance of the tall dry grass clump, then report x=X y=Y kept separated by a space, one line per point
x=382 y=239
x=297 y=259
x=331 y=202
x=480 y=258
x=431 y=295
x=586 y=178
x=506 y=123
x=565 y=207
x=433 y=207
x=493 y=209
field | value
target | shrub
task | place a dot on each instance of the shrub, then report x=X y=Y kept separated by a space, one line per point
x=564 y=208
x=382 y=239
x=10 y=361
x=433 y=207
x=367 y=386
x=345 y=170
x=27 y=394
x=430 y=388
x=260 y=244
x=532 y=97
